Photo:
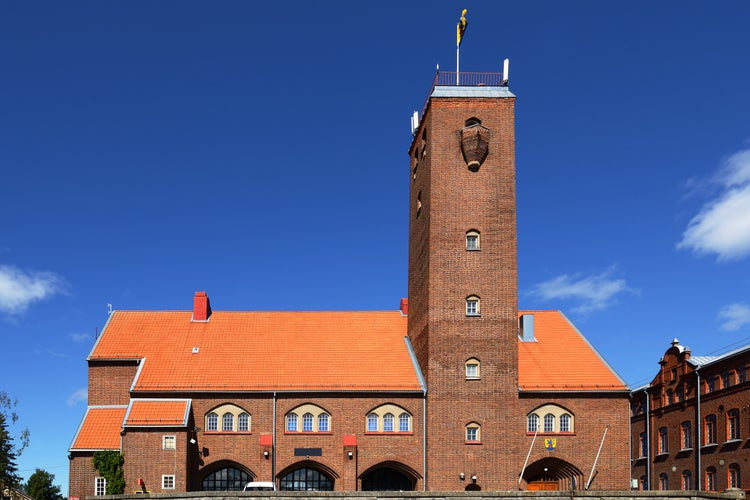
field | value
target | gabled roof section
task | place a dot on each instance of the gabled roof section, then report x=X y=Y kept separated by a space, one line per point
x=561 y=359
x=700 y=361
x=262 y=351
x=157 y=413
x=100 y=429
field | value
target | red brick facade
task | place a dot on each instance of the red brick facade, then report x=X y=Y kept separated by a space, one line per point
x=469 y=427
x=691 y=424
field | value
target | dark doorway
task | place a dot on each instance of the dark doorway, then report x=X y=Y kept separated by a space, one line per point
x=386 y=479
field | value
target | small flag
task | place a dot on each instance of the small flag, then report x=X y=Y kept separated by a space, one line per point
x=460 y=28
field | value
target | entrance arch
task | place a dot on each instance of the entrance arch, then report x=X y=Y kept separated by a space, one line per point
x=226 y=476
x=552 y=474
x=389 y=476
x=307 y=476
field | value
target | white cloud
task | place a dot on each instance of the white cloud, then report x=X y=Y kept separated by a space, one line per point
x=734 y=316
x=722 y=226
x=78 y=396
x=80 y=338
x=593 y=292
x=19 y=289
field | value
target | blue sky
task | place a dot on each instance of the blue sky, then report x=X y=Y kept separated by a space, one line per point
x=259 y=152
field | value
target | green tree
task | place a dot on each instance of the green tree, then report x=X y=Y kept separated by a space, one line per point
x=40 y=486
x=9 y=451
x=109 y=464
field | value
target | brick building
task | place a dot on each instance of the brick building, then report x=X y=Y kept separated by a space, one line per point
x=455 y=390
x=690 y=424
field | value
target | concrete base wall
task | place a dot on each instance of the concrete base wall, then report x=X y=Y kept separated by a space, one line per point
x=413 y=495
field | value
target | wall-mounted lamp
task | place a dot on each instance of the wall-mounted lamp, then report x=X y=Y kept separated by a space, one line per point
x=474 y=478
x=351 y=455
x=265 y=454
x=193 y=441
x=462 y=476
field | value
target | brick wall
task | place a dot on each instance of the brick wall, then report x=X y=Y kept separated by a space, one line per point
x=110 y=381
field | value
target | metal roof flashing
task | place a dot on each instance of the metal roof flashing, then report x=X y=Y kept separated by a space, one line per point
x=470 y=91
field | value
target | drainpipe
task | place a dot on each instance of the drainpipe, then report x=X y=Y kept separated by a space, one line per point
x=698 y=429
x=424 y=440
x=648 y=438
x=273 y=446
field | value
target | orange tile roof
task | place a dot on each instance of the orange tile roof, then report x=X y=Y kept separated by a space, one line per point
x=100 y=429
x=561 y=359
x=261 y=351
x=158 y=412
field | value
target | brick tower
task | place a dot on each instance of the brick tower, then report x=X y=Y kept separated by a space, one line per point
x=463 y=285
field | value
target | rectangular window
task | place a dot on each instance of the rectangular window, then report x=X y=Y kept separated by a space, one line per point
x=167 y=482
x=663 y=440
x=472 y=242
x=726 y=380
x=733 y=425
x=472 y=434
x=686 y=435
x=169 y=442
x=472 y=307
x=710 y=430
x=741 y=374
x=100 y=486
x=643 y=444
x=710 y=387
x=472 y=370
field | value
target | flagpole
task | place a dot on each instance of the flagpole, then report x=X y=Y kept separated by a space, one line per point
x=457 y=62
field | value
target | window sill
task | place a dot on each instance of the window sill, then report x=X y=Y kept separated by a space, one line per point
x=710 y=445
x=732 y=441
x=472 y=442
x=226 y=433
x=662 y=454
x=685 y=449
x=478 y=315
x=389 y=433
x=473 y=378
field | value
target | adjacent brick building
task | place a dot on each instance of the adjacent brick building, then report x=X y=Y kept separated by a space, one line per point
x=455 y=390
x=690 y=425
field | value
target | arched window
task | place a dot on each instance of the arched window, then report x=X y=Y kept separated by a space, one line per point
x=404 y=422
x=291 y=422
x=372 y=422
x=686 y=435
x=383 y=419
x=549 y=423
x=472 y=122
x=243 y=422
x=314 y=419
x=388 y=422
x=687 y=480
x=323 y=423
x=307 y=422
x=733 y=479
x=473 y=433
x=472 y=368
x=472 y=306
x=212 y=422
x=565 y=422
x=227 y=479
x=306 y=479
x=711 y=479
x=227 y=418
x=532 y=423
x=643 y=483
x=472 y=240
x=663 y=482
x=227 y=422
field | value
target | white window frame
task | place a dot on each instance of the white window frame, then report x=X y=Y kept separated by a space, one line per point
x=372 y=422
x=473 y=433
x=292 y=422
x=532 y=423
x=472 y=240
x=212 y=422
x=473 y=306
x=169 y=442
x=308 y=422
x=227 y=418
x=388 y=422
x=324 y=423
x=404 y=422
x=243 y=422
x=100 y=486
x=166 y=479
x=549 y=423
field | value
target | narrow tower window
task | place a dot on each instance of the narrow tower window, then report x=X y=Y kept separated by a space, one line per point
x=472 y=306
x=472 y=240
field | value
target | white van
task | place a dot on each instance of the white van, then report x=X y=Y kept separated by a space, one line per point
x=260 y=486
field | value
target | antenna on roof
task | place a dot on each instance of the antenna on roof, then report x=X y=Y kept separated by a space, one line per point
x=109 y=308
x=506 y=63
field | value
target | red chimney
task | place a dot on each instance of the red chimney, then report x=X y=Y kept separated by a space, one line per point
x=404 y=306
x=201 y=307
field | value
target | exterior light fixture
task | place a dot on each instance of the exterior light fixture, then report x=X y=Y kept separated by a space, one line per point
x=462 y=476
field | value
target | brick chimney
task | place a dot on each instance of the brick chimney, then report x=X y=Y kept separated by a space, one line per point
x=404 y=306
x=201 y=307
